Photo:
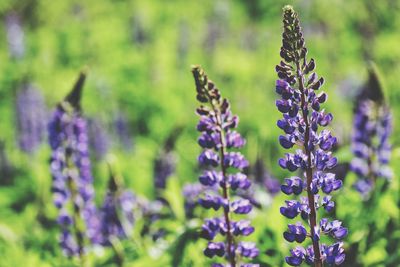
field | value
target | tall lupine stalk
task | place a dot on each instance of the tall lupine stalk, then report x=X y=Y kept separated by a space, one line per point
x=372 y=127
x=217 y=139
x=72 y=187
x=302 y=116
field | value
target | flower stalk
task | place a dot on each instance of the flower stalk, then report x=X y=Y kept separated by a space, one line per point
x=302 y=116
x=217 y=138
x=72 y=187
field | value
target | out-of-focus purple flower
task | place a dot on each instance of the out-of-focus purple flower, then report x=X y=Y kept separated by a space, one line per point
x=117 y=212
x=191 y=193
x=123 y=132
x=31 y=118
x=15 y=35
x=99 y=138
x=217 y=138
x=72 y=177
x=372 y=127
x=300 y=104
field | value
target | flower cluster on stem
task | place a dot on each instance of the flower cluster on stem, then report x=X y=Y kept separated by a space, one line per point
x=72 y=187
x=300 y=104
x=218 y=138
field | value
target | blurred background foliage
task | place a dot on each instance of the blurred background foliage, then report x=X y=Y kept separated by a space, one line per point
x=140 y=90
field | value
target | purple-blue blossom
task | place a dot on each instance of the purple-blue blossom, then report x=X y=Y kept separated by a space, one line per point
x=222 y=175
x=303 y=117
x=70 y=167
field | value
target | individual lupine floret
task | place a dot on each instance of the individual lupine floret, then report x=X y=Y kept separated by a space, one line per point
x=31 y=118
x=217 y=139
x=117 y=212
x=72 y=187
x=372 y=127
x=300 y=104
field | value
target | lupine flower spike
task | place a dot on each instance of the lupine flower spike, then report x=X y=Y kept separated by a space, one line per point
x=218 y=138
x=72 y=188
x=300 y=105
x=372 y=127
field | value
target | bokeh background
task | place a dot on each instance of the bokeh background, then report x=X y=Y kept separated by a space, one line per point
x=139 y=99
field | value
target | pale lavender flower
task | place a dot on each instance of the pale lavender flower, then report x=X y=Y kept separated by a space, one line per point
x=15 y=35
x=31 y=118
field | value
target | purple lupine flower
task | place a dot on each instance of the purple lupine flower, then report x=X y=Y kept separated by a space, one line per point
x=117 y=212
x=372 y=127
x=99 y=138
x=15 y=35
x=300 y=104
x=122 y=131
x=72 y=187
x=217 y=138
x=31 y=118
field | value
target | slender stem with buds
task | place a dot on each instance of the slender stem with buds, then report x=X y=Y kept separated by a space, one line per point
x=225 y=189
x=309 y=172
